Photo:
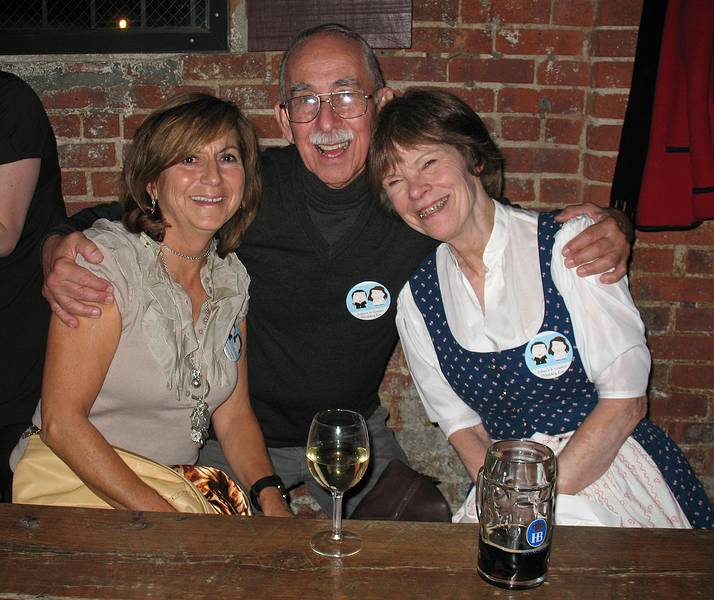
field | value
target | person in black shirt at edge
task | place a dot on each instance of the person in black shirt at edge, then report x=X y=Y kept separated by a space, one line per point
x=318 y=237
x=30 y=202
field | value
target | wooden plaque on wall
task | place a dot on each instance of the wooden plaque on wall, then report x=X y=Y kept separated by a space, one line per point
x=383 y=23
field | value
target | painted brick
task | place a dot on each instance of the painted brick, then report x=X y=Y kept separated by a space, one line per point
x=604 y=137
x=520 y=191
x=541 y=160
x=597 y=194
x=697 y=319
x=700 y=262
x=491 y=70
x=681 y=347
x=679 y=405
x=560 y=191
x=152 y=96
x=224 y=66
x=520 y=128
x=106 y=183
x=66 y=125
x=563 y=131
x=101 y=125
x=614 y=42
x=74 y=183
x=652 y=260
x=655 y=318
x=617 y=12
x=671 y=289
x=406 y=68
x=574 y=12
x=73 y=156
x=521 y=11
x=561 y=42
x=599 y=168
x=564 y=72
x=251 y=96
x=608 y=105
x=450 y=40
x=612 y=74
x=435 y=10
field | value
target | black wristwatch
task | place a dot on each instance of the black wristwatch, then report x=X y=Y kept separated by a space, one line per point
x=264 y=482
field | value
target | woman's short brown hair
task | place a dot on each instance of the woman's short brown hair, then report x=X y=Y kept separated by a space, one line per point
x=423 y=116
x=181 y=126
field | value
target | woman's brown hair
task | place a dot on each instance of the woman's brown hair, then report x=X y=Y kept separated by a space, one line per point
x=181 y=126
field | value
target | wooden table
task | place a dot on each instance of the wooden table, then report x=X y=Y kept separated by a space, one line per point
x=77 y=553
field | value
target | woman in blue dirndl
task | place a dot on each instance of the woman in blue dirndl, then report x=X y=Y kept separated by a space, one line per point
x=504 y=342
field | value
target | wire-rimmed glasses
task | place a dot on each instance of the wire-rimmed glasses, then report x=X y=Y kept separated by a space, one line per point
x=346 y=104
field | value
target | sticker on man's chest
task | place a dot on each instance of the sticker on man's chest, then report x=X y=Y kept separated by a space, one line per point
x=368 y=300
x=549 y=354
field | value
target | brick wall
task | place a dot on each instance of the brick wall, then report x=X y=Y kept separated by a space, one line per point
x=551 y=77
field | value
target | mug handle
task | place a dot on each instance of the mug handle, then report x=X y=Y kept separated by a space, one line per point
x=479 y=493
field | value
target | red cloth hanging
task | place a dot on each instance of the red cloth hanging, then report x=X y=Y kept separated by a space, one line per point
x=678 y=181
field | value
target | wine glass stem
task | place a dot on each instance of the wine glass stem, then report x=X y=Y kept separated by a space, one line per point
x=336 y=516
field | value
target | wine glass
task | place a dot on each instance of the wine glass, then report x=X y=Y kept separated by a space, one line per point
x=337 y=456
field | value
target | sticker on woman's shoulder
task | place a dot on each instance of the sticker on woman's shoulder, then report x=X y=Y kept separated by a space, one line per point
x=368 y=300
x=549 y=354
x=234 y=343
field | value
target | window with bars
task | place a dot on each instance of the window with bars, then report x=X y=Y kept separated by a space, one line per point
x=90 y=26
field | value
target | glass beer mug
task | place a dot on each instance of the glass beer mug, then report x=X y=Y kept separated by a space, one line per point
x=515 y=504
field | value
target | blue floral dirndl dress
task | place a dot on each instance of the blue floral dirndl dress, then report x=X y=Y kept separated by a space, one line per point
x=513 y=402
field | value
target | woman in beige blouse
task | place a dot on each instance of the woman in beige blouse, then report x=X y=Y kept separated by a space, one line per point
x=169 y=357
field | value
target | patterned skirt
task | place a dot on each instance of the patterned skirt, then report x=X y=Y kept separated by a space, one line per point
x=218 y=488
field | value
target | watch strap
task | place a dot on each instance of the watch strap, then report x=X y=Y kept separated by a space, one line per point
x=265 y=482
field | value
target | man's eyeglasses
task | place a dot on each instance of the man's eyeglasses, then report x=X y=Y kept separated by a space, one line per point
x=348 y=105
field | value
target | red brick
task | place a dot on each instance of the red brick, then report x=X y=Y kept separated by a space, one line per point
x=564 y=72
x=659 y=375
x=75 y=98
x=519 y=191
x=66 y=125
x=614 y=42
x=679 y=405
x=652 y=260
x=700 y=236
x=562 y=42
x=73 y=156
x=101 y=125
x=671 y=289
x=151 y=96
x=481 y=99
x=607 y=106
x=491 y=70
x=131 y=123
x=574 y=12
x=612 y=74
x=435 y=10
x=520 y=100
x=681 y=347
x=618 y=12
x=694 y=319
x=407 y=68
x=560 y=191
x=541 y=160
x=266 y=126
x=655 y=318
x=251 y=96
x=521 y=11
x=520 y=128
x=450 y=40
x=563 y=131
x=690 y=433
x=701 y=459
x=700 y=262
x=604 y=137
x=597 y=194
x=599 y=168
x=224 y=66
x=74 y=183
x=106 y=183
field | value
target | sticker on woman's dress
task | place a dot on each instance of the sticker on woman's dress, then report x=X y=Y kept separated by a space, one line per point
x=549 y=354
x=368 y=300
x=234 y=343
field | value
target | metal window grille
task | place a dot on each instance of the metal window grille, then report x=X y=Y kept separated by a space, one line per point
x=64 y=26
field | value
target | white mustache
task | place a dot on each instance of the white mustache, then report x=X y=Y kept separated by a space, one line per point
x=329 y=138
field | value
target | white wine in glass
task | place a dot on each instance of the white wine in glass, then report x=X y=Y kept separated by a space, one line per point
x=337 y=456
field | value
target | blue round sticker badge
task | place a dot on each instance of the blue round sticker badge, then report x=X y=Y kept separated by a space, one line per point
x=536 y=532
x=368 y=300
x=549 y=354
x=234 y=343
